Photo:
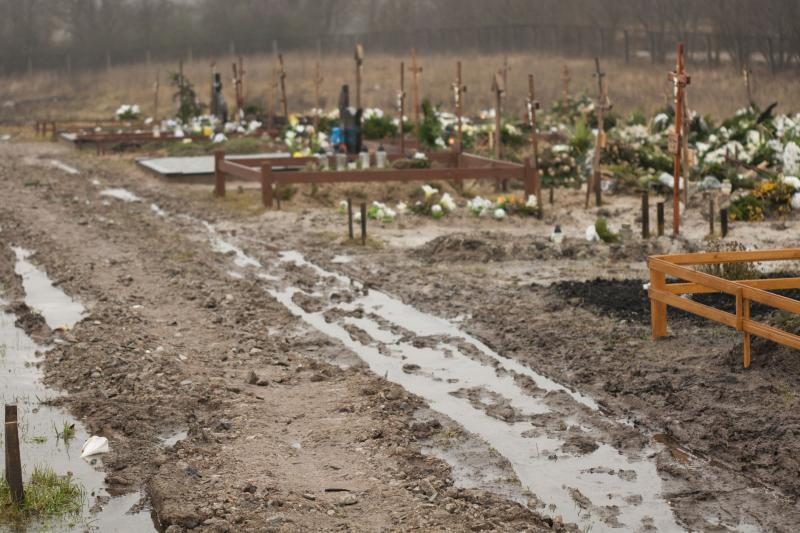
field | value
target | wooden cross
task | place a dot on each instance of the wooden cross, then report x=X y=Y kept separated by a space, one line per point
x=602 y=105
x=533 y=106
x=318 y=79
x=156 y=87
x=359 y=58
x=282 y=81
x=680 y=80
x=401 y=106
x=506 y=69
x=415 y=72
x=458 y=97
x=747 y=74
x=565 y=79
x=212 y=103
x=237 y=84
x=499 y=89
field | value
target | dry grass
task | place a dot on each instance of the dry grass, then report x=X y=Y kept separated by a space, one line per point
x=640 y=86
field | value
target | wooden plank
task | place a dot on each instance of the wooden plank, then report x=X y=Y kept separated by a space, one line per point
x=432 y=174
x=680 y=272
x=746 y=356
x=773 y=300
x=477 y=161
x=764 y=284
x=658 y=310
x=773 y=334
x=240 y=171
x=707 y=258
x=691 y=306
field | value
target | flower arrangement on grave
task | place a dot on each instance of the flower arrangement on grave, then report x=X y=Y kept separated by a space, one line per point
x=375 y=125
x=128 y=112
x=433 y=203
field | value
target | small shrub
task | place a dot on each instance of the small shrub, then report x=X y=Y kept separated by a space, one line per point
x=242 y=145
x=730 y=271
x=605 y=234
x=46 y=494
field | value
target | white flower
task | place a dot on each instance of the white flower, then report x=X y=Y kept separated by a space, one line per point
x=661 y=120
x=372 y=112
x=499 y=213
x=402 y=208
x=448 y=203
x=792 y=180
x=420 y=155
x=343 y=206
x=591 y=234
x=219 y=138
x=389 y=214
x=357 y=216
x=479 y=206
x=532 y=202
x=429 y=191
x=440 y=142
x=791 y=158
x=436 y=210
x=795 y=201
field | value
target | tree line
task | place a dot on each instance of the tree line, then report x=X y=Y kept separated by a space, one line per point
x=67 y=34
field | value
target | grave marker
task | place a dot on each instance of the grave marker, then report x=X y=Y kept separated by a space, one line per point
x=498 y=88
x=603 y=105
x=401 y=106
x=282 y=81
x=415 y=72
x=458 y=93
x=13 y=462
x=359 y=59
x=533 y=106
x=680 y=80
x=565 y=79
x=318 y=79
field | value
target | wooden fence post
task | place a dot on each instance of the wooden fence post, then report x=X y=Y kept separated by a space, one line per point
x=645 y=215
x=13 y=461
x=660 y=218
x=219 y=175
x=658 y=310
x=267 y=195
x=350 y=218
x=711 y=216
x=363 y=224
x=723 y=222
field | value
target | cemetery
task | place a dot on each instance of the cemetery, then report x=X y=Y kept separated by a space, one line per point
x=406 y=291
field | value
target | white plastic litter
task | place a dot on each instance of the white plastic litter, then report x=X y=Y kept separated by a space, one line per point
x=95 y=446
x=591 y=234
x=795 y=201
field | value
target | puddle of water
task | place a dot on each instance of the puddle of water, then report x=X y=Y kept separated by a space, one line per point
x=120 y=194
x=20 y=384
x=633 y=499
x=63 y=166
x=57 y=308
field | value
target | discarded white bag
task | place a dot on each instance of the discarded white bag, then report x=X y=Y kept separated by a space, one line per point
x=94 y=446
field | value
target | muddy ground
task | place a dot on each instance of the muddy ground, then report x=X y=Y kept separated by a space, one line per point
x=287 y=428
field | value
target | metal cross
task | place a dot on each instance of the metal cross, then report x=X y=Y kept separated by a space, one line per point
x=401 y=106
x=282 y=81
x=565 y=79
x=359 y=58
x=499 y=89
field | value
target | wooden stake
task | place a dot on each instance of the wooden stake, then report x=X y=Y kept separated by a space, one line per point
x=645 y=215
x=747 y=75
x=458 y=96
x=219 y=176
x=533 y=106
x=415 y=72
x=359 y=58
x=401 y=106
x=660 y=218
x=363 y=224
x=680 y=80
x=267 y=194
x=711 y=216
x=13 y=461
x=350 y=218
x=723 y=222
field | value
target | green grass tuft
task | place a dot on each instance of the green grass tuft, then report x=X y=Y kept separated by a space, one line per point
x=46 y=495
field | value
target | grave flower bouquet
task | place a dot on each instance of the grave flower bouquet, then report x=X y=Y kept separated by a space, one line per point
x=433 y=203
x=128 y=112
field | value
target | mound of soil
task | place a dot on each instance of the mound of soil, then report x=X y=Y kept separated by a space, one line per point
x=627 y=299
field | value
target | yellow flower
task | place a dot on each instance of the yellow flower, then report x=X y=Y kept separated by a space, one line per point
x=293 y=120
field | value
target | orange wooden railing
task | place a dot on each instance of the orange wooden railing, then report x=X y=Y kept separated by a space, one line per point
x=663 y=294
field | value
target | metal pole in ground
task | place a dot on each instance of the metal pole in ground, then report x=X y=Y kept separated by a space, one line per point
x=13 y=461
x=363 y=224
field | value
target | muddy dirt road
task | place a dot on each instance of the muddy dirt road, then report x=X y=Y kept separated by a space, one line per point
x=257 y=372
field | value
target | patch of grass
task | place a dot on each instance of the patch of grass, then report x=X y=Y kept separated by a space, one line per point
x=67 y=432
x=731 y=271
x=179 y=149
x=605 y=234
x=46 y=495
x=38 y=440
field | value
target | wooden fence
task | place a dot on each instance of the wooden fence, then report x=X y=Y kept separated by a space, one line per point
x=449 y=166
x=663 y=294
